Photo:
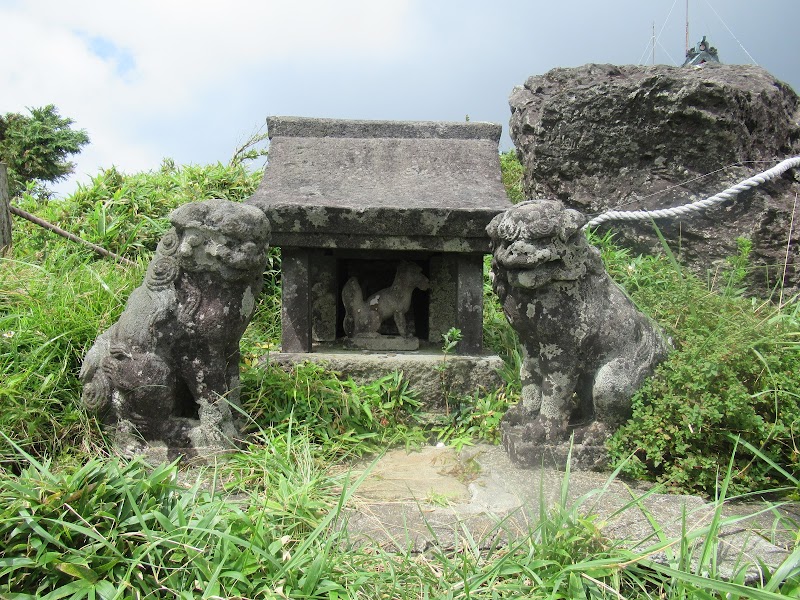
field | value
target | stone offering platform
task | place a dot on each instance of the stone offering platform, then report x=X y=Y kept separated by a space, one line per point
x=433 y=497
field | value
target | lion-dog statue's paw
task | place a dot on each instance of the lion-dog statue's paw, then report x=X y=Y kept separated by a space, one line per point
x=545 y=430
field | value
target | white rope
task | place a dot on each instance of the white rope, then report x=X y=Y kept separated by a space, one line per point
x=686 y=209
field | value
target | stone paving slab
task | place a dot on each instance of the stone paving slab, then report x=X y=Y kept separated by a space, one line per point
x=435 y=497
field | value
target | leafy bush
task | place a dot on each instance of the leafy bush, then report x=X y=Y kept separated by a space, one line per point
x=733 y=373
x=127 y=214
x=500 y=337
x=511 y=172
x=475 y=417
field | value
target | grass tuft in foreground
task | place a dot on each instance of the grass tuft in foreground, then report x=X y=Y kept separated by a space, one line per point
x=114 y=529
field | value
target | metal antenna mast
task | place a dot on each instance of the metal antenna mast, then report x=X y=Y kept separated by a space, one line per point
x=687 y=26
x=654 y=42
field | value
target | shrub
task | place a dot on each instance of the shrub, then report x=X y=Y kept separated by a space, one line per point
x=36 y=147
x=732 y=373
x=339 y=413
x=127 y=214
x=500 y=337
x=511 y=172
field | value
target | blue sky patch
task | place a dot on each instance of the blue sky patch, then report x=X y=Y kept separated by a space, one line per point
x=107 y=50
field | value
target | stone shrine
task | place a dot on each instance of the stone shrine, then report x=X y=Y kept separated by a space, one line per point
x=381 y=226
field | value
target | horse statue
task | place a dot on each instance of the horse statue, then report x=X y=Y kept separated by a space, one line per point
x=363 y=318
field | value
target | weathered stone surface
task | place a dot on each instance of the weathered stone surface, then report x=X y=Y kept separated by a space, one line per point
x=382 y=343
x=296 y=288
x=586 y=348
x=352 y=202
x=469 y=304
x=428 y=474
x=444 y=294
x=532 y=454
x=463 y=375
x=600 y=137
x=324 y=296
x=389 y=185
x=167 y=372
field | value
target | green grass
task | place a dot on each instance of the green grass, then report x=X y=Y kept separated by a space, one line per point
x=126 y=213
x=112 y=529
x=115 y=529
x=512 y=173
x=347 y=418
x=50 y=313
x=77 y=522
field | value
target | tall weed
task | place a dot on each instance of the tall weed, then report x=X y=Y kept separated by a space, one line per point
x=500 y=337
x=340 y=414
x=50 y=313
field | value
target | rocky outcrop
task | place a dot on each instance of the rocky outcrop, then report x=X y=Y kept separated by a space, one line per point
x=599 y=137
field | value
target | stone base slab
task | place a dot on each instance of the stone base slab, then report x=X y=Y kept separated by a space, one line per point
x=427 y=373
x=428 y=499
x=530 y=455
x=383 y=343
x=156 y=452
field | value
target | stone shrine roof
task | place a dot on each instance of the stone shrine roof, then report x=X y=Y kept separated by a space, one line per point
x=391 y=185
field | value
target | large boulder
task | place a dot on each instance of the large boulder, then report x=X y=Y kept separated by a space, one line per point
x=600 y=137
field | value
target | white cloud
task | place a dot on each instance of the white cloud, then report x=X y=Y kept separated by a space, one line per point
x=116 y=67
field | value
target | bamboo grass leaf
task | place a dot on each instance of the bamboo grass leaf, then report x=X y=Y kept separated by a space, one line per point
x=78 y=571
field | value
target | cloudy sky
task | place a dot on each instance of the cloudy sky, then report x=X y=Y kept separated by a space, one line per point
x=190 y=79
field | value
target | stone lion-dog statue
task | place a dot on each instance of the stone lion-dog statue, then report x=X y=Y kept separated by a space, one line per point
x=167 y=372
x=586 y=347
